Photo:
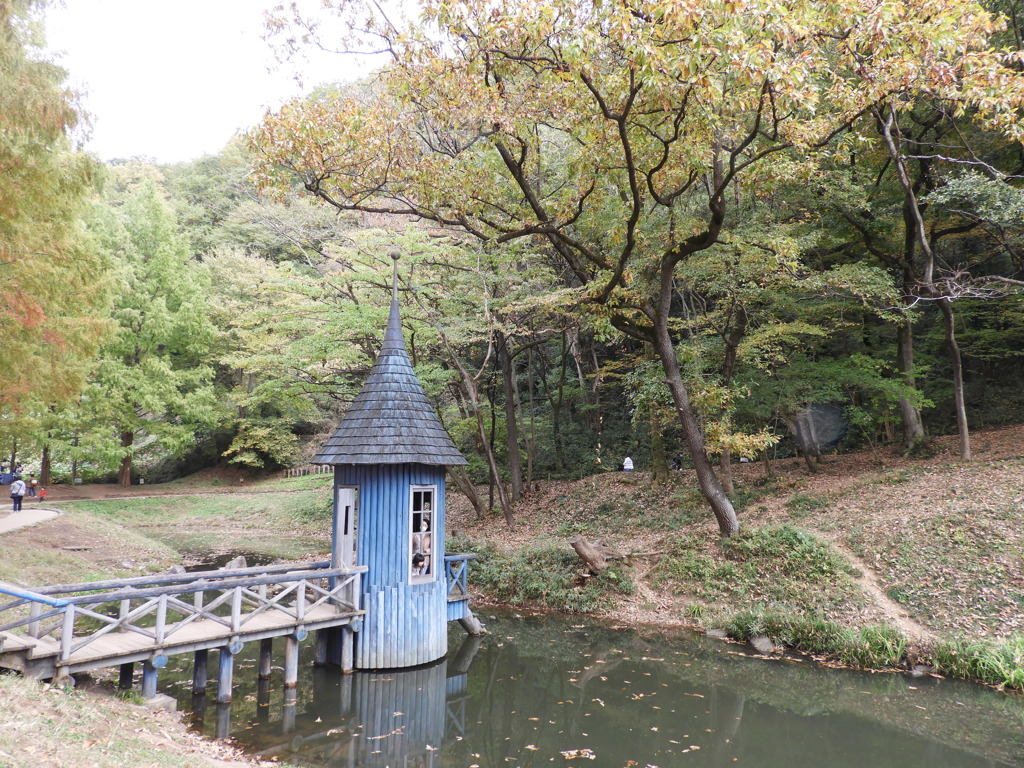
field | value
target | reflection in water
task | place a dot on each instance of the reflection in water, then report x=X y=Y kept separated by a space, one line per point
x=539 y=691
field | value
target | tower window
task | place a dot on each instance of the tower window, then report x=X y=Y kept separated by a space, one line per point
x=421 y=533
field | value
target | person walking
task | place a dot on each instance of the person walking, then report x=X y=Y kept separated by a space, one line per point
x=17 y=492
x=32 y=483
x=627 y=464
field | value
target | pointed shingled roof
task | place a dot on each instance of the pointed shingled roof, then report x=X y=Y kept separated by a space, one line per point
x=391 y=421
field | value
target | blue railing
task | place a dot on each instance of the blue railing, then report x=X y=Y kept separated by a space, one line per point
x=455 y=571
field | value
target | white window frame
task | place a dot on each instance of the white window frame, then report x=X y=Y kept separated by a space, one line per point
x=423 y=542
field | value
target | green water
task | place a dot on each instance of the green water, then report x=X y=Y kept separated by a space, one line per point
x=553 y=691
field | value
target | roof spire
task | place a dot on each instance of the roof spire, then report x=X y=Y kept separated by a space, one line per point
x=395 y=255
x=391 y=421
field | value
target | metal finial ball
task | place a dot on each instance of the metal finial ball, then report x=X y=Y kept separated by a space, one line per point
x=395 y=254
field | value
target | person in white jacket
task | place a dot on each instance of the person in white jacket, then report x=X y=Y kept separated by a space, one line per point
x=17 y=493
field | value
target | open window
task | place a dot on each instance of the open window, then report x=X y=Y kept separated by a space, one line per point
x=422 y=563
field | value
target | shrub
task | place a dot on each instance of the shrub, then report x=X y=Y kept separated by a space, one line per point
x=548 y=577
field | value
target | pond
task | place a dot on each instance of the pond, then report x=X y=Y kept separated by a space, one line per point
x=551 y=690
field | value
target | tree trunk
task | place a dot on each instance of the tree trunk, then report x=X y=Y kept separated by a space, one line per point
x=707 y=480
x=556 y=405
x=531 y=439
x=44 y=467
x=124 y=474
x=463 y=483
x=910 y=415
x=659 y=461
x=14 y=453
x=508 y=386
x=958 y=378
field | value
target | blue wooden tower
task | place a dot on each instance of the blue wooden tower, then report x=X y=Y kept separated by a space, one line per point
x=389 y=454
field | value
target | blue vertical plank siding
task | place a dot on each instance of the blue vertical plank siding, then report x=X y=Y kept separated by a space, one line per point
x=400 y=717
x=405 y=623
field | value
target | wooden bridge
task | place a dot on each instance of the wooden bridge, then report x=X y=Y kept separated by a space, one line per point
x=56 y=631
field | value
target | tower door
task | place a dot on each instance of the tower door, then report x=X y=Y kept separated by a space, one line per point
x=346 y=511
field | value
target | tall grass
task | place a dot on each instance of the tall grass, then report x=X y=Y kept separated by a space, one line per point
x=996 y=662
x=871 y=647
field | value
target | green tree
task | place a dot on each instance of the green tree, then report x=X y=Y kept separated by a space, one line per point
x=618 y=134
x=52 y=296
x=152 y=379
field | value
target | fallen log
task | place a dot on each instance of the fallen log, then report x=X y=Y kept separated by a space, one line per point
x=595 y=554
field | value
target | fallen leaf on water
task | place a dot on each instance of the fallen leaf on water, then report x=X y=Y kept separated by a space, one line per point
x=573 y=754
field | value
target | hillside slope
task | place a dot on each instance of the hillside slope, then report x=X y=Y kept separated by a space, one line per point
x=932 y=546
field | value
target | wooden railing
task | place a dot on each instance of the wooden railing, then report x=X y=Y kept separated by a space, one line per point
x=455 y=571
x=307 y=469
x=160 y=606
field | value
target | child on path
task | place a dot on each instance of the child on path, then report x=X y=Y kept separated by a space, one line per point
x=42 y=494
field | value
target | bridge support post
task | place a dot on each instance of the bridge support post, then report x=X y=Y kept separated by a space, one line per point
x=347 y=650
x=126 y=676
x=322 y=641
x=263 y=701
x=290 y=710
x=223 y=721
x=200 y=671
x=149 y=677
x=291 y=661
x=225 y=676
x=266 y=658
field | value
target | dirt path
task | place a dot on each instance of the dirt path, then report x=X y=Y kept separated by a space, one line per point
x=894 y=613
x=12 y=521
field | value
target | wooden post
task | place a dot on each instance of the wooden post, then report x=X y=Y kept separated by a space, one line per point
x=291 y=661
x=161 y=618
x=67 y=634
x=149 y=676
x=263 y=701
x=266 y=658
x=347 y=648
x=200 y=671
x=236 y=609
x=300 y=600
x=223 y=720
x=33 y=613
x=288 y=715
x=225 y=676
x=126 y=677
x=320 y=654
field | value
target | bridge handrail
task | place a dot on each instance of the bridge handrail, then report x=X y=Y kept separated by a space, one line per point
x=238 y=588
x=28 y=595
x=170 y=578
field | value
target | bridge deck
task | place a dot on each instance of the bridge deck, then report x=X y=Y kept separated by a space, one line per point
x=122 y=647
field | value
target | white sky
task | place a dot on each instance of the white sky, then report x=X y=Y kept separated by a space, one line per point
x=175 y=80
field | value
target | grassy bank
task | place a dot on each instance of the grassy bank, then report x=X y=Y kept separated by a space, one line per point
x=45 y=726
x=114 y=537
x=876 y=561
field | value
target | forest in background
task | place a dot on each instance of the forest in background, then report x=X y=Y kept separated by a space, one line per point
x=863 y=257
